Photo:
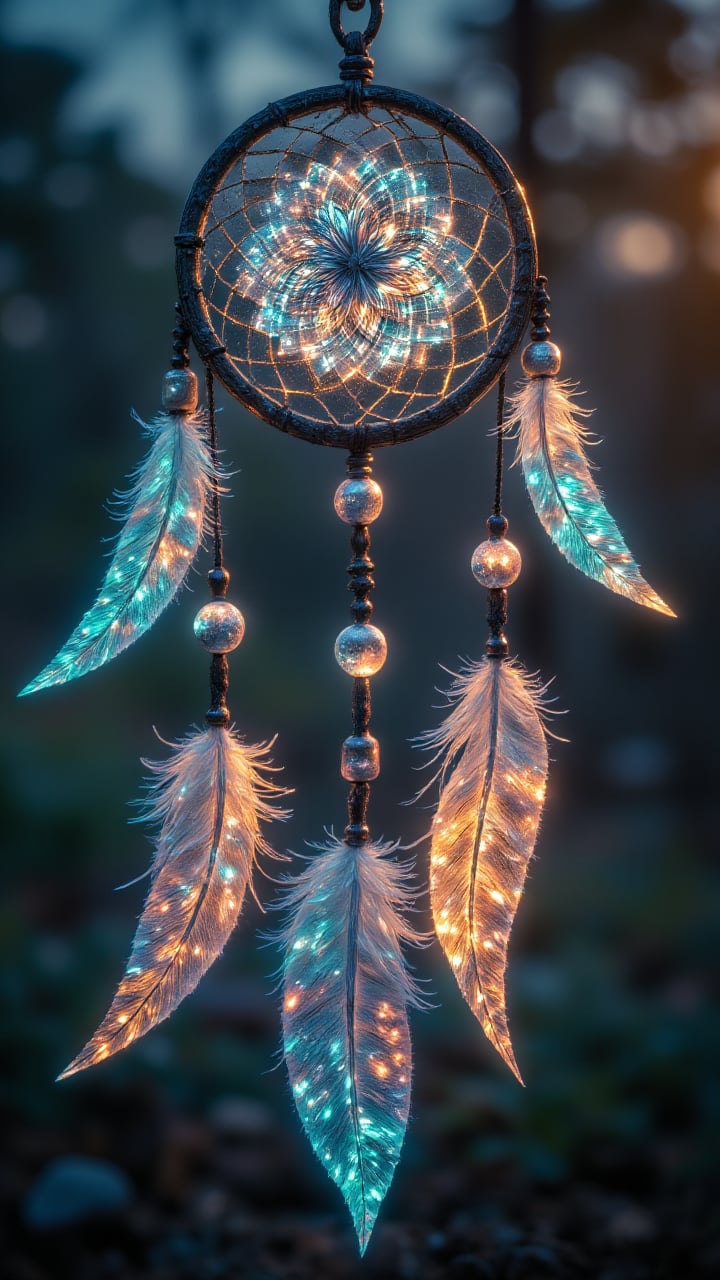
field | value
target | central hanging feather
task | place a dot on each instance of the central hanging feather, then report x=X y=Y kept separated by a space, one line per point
x=164 y=521
x=492 y=792
x=208 y=800
x=346 y=1037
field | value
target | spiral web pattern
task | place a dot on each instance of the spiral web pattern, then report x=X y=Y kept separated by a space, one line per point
x=357 y=268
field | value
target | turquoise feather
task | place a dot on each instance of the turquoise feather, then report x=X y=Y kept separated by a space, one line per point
x=570 y=506
x=164 y=514
x=346 y=1037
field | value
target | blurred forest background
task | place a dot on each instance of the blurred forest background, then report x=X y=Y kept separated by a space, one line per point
x=183 y=1157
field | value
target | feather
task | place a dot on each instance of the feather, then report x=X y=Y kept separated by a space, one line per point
x=495 y=761
x=345 y=1027
x=164 y=514
x=207 y=801
x=570 y=507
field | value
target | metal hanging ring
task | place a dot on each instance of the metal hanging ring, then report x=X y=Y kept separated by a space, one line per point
x=368 y=35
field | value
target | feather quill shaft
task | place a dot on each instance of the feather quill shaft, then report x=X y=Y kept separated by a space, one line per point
x=568 y=503
x=164 y=514
x=345 y=1026
x=493 y=776
x=207 y=801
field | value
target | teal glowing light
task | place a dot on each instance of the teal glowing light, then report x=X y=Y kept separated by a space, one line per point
x=345 y=1026
x=355 y=268
x=164 y=515
x=570 y=506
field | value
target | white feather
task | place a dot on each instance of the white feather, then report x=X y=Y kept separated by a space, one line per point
x=208 y=801
x=493 y=777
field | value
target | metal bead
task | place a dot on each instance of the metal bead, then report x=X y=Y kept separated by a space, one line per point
x=358 y=501
x=497 y=526
x=218 y=581
x=497 y=646
x=360 y=758
x=218 y=716
x=180 y=391
x=357 y=833
x=361 y=650
x=541 y=359
x=496 y=563
x=219 y=626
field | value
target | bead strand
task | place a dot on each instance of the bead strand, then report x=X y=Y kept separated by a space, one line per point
x=360 y=649
x=219 y=626
x=541 y=358
x=496 y=562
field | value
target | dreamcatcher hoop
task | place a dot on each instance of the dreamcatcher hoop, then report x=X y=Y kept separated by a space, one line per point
x=211 y=342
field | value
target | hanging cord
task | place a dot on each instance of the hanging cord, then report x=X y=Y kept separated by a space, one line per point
x=496 y=645
x=212 y=424
x=218 y=577
x=500 y=441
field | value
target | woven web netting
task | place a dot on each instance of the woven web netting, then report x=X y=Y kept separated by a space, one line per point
x=357 y=268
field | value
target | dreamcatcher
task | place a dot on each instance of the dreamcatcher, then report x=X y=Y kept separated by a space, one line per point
x=356 y=265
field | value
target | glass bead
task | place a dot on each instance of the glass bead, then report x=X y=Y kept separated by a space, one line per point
x=180 y=391
x=358 y=501
x=496 y=563
x=360 y=758
x=219 y=626
x=541 y=360
x=361 y=650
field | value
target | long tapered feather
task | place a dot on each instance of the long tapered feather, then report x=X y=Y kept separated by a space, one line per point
x=569 y=504
x=495 y=761
x=207 y=800
x=164 y=513
x=346 y=1038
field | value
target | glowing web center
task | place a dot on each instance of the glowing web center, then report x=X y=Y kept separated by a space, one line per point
x=354 y=269
x=359 y=264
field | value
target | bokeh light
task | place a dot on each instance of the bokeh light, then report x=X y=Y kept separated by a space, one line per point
x=23 y=321
x=641 y=246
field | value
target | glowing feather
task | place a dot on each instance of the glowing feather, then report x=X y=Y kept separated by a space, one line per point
x=345 y=1027
x=208 y=800
x=571 y=509
x=492 y=791
x=164 y=518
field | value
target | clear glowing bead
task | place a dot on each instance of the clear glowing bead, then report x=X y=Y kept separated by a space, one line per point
x=361 y=650
x=496 y=563
x=219 y=626
x=360 y=758
x=358 y=501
